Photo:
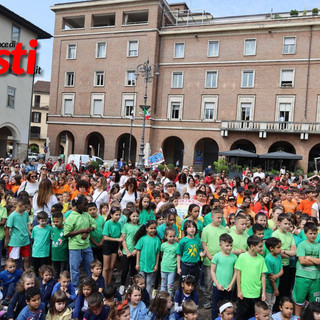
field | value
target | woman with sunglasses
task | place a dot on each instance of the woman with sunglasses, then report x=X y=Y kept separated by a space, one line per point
x=43 y=172
x=31 y=185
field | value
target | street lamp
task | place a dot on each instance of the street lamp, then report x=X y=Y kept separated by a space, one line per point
x=146 y=71
x=130 y=139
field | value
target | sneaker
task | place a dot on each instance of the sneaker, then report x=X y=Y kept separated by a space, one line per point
x=154 y=293
x=207 y=304
x=121 y=290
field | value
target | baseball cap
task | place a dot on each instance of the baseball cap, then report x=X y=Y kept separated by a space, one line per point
x=231 y=198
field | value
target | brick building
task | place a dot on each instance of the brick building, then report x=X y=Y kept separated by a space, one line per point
x=249 y=82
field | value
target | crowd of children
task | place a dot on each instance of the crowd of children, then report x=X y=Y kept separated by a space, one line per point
x=252 y=251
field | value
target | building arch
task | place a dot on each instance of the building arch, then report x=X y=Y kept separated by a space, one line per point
x=95 y=144
x=277 y=164
x=9 y=140
x=314 y=153
x=122 y=146
x=65 y=143
x=282 y=146
x=205 y=153
x=34 y=147
x=173 y=151
x=244 y=145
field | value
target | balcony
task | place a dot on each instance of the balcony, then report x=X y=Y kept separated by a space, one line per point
x=271 y=126
x=37 y=136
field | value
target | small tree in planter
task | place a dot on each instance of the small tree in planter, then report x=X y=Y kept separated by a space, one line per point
x=220 y=165
x=315 y=11
x=294 y=13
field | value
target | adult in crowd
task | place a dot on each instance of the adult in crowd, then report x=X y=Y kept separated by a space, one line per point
x=31 y=185
x=100 y=194
x=43 y=200
x=58 y=166
x=128 y=171
x=128 y=193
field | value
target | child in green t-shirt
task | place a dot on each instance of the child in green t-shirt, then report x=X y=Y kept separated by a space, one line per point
x=239 y=235
x=169 y=260
x=307 y=281
x=275 y=270
x=59 y=245
x=251 y=281
x=18 y=223
x=189 y=251
x=145 y=210
x=210 y=244
x=96 y=237
x=222 y=273
x=258 y=230
x=41 y=234
x=148 y=247
x=288 y=247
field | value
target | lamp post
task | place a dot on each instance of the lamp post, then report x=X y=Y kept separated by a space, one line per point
x=146 y=71
x=130 y=139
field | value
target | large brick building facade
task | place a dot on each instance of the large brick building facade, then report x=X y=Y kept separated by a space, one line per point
x=249 y=82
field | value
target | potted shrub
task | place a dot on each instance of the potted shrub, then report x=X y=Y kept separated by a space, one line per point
x=315 y=11
x=294 y=13
x=220 y=165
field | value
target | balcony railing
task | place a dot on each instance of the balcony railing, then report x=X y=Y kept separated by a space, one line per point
x=37 y=136
x=271 y=126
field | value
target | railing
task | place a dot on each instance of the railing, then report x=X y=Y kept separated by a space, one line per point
x=271 y=126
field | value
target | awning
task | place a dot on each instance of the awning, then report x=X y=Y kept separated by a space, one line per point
x=280 y=155
x=238 y=153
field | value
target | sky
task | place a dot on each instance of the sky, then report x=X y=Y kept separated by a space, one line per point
x=39 y=13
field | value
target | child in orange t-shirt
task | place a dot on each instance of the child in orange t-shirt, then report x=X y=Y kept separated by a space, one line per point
x=305 y=205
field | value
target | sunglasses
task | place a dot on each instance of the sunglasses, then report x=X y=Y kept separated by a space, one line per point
x=17 y=167
x=33 y=176
x=44 y=169
x=5 y=168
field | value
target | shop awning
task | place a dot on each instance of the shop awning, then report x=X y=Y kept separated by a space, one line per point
x=238 y=153
x=280 y=155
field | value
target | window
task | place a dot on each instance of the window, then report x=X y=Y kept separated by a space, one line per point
x=289 y=45
x=175 y=107
x=128 y=104
x=35 y=132
x=72 y=51
x=245 y=110
x=101 y=51
x=37 y=99
x=97 y=104
x=284 y=110
x=213 y=49
x=211 y=79
x=209 y=108
x=250 y=47
x=287 y=78
x=103 y=20
x=67 y=103
x=36 y=117
x=130 y=78
x=135 y=17
x=69 y=79
x=247 y=80
x=133 y=48
x=178 y=50
x=177 y=80
x=15 y=34
x=76 y=22
x=99 y=78
x=11 y=97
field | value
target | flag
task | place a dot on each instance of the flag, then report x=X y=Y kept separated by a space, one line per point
x=147 y=113
x=156 y=158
